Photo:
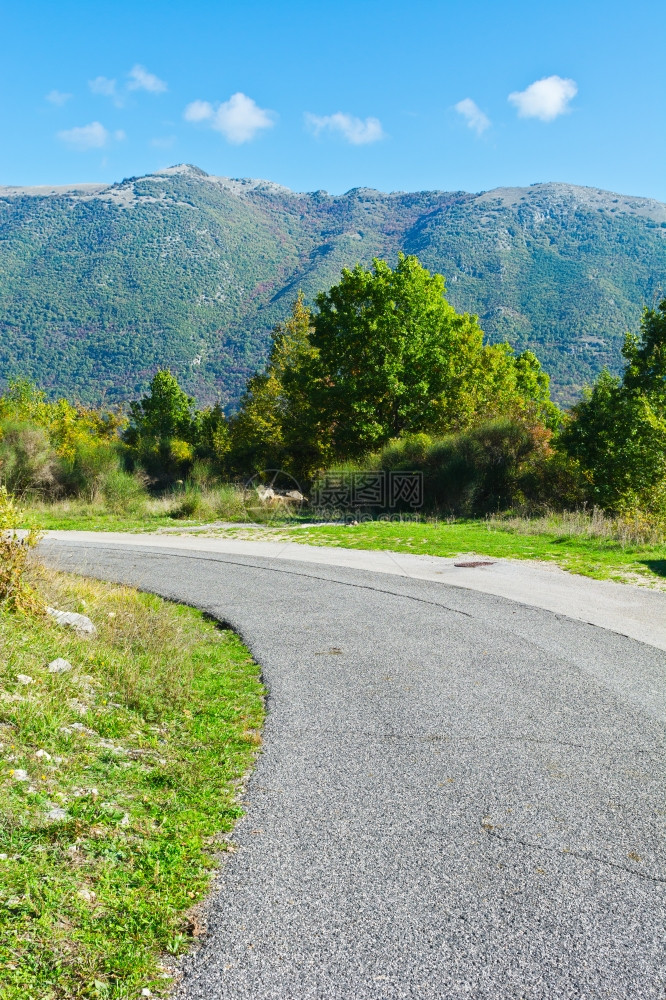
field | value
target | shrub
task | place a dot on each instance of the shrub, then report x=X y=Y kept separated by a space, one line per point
x=14 y=591
x=191 y=504
x=125 y=493
x=229 y=504
x=88 y=466
x=493 y=466
x=27 y=458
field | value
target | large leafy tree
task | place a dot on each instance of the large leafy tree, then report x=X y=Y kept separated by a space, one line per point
x=394 y=357
x=618 y=431
x=165 y=412
x=384 y=355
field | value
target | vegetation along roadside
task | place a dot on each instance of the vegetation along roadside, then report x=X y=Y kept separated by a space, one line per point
x=121 y=756
x=575 y=543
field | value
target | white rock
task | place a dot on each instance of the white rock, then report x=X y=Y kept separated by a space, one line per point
x=43 y=754
x=59 y=666
x=20 y=775
x=145 y=992
x=24 y=678
x=57 y=815
x=80 y=623
x=87 y=894
x=125 y=821
x=77 y=706
x=3 y=857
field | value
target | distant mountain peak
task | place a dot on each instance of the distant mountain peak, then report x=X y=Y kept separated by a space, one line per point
x=181 y=168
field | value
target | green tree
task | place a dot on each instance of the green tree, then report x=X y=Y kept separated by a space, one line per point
x=163 y=428
x=392 y=357
x=212 y=439
x=277 y=424
x=618 y=431
x=166 y=412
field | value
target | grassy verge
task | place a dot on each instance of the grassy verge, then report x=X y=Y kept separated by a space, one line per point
x=73 y=520
x=599 y=557
x=117 y=784
x=582 y=543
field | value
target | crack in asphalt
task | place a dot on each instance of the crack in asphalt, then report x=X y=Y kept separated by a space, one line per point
x=567 y=853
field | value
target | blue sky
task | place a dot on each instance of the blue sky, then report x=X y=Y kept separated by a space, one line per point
x=393 y=95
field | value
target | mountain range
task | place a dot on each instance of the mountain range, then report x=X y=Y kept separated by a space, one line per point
x=102 y=284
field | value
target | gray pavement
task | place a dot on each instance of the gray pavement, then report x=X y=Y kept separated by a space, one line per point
x=630 y=610
x=459 y=795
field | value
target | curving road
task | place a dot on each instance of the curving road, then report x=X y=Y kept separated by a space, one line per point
x=459 y=795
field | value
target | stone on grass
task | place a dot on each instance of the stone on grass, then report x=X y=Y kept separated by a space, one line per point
x=77 y=706
x=43 y=754
x=20 y=775
x=24 y=678
x=59 y=666
x=57 y=815
x=80 y=623
x=87 y=894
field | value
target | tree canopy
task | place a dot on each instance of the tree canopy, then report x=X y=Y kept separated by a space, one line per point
x=383 y=355
x=394 y=357
x=618 y=431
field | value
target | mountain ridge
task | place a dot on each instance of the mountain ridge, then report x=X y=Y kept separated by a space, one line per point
x=100 y=284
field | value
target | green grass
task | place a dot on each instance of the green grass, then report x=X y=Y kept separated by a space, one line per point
x=55 y=519
x=582 y=542
x=599 y=557
x=146 y=740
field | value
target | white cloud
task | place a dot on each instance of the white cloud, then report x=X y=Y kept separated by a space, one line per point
x=58 y=98
x=545 y=99
x=476 y=119
x=93 y=136
x=103 y=85
x=198 y=111
x=238 y=119
x=141 y=79
x=355 y=130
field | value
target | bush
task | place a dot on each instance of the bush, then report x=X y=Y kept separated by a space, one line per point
x=192 y=503
x=203 y=474
x=125 y=493
x=90 y=464
x=229 y=504
x=27 y=458
x=494 y=466
x=14 y=591
x=221 y=503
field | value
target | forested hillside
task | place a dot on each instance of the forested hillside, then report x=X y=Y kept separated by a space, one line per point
x=100 y=286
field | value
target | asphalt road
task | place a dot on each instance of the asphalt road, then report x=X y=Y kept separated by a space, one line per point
x=458 y=795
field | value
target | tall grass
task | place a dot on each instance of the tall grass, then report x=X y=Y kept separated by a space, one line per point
x=635 y=529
